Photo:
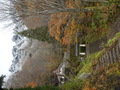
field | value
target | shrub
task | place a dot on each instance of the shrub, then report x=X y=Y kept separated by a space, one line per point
x=73 y=85
x=106 y=78
x=45 y=87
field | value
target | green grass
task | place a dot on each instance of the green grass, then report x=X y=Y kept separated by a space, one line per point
x=73 y=85
x=113 y=40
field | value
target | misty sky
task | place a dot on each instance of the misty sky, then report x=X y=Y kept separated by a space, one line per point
x=6 y=45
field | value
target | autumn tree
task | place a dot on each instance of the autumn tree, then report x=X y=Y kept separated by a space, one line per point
x=68 y=17
x=94 y=24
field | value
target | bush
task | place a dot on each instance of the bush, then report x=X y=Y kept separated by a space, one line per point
x=45 y=87
x=73 y=85
x=106 y=78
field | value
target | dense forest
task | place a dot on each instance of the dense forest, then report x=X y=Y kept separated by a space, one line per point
x=75 y=44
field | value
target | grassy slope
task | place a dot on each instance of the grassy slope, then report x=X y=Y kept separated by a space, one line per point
x=88 y=63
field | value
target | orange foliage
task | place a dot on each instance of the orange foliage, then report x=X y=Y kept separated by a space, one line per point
x=61 y=30
x=87 y=87
x=64 y=26
x=72 y=3
x=56 y=23
x=31 y=84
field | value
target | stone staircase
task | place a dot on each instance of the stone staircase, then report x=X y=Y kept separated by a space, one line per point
x=112 y=55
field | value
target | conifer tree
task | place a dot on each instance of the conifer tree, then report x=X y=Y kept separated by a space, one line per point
x=40 y=33
x=1 y=81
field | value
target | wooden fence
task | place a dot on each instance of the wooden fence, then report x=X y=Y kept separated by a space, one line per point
x=111 y=56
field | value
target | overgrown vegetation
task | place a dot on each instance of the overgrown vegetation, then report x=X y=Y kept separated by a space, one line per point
x=113 y=40
x=92 y=59
x=103 y=79
x=45 y=87
x=73 y=85
x=94 y=24
x=106 y=78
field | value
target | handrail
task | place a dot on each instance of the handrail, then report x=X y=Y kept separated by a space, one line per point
x=111 y=56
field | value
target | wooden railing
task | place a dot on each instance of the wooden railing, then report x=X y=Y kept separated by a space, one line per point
x=112 y=55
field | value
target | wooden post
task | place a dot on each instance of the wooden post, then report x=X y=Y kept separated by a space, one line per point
x=118 y=51
x=114 y=55
x=87 y=50
x=110 y=57
x=103 y=58
x=98 y=62
x=100 y=59
x=106 y=58
x=76 y=49
x=106 y=55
